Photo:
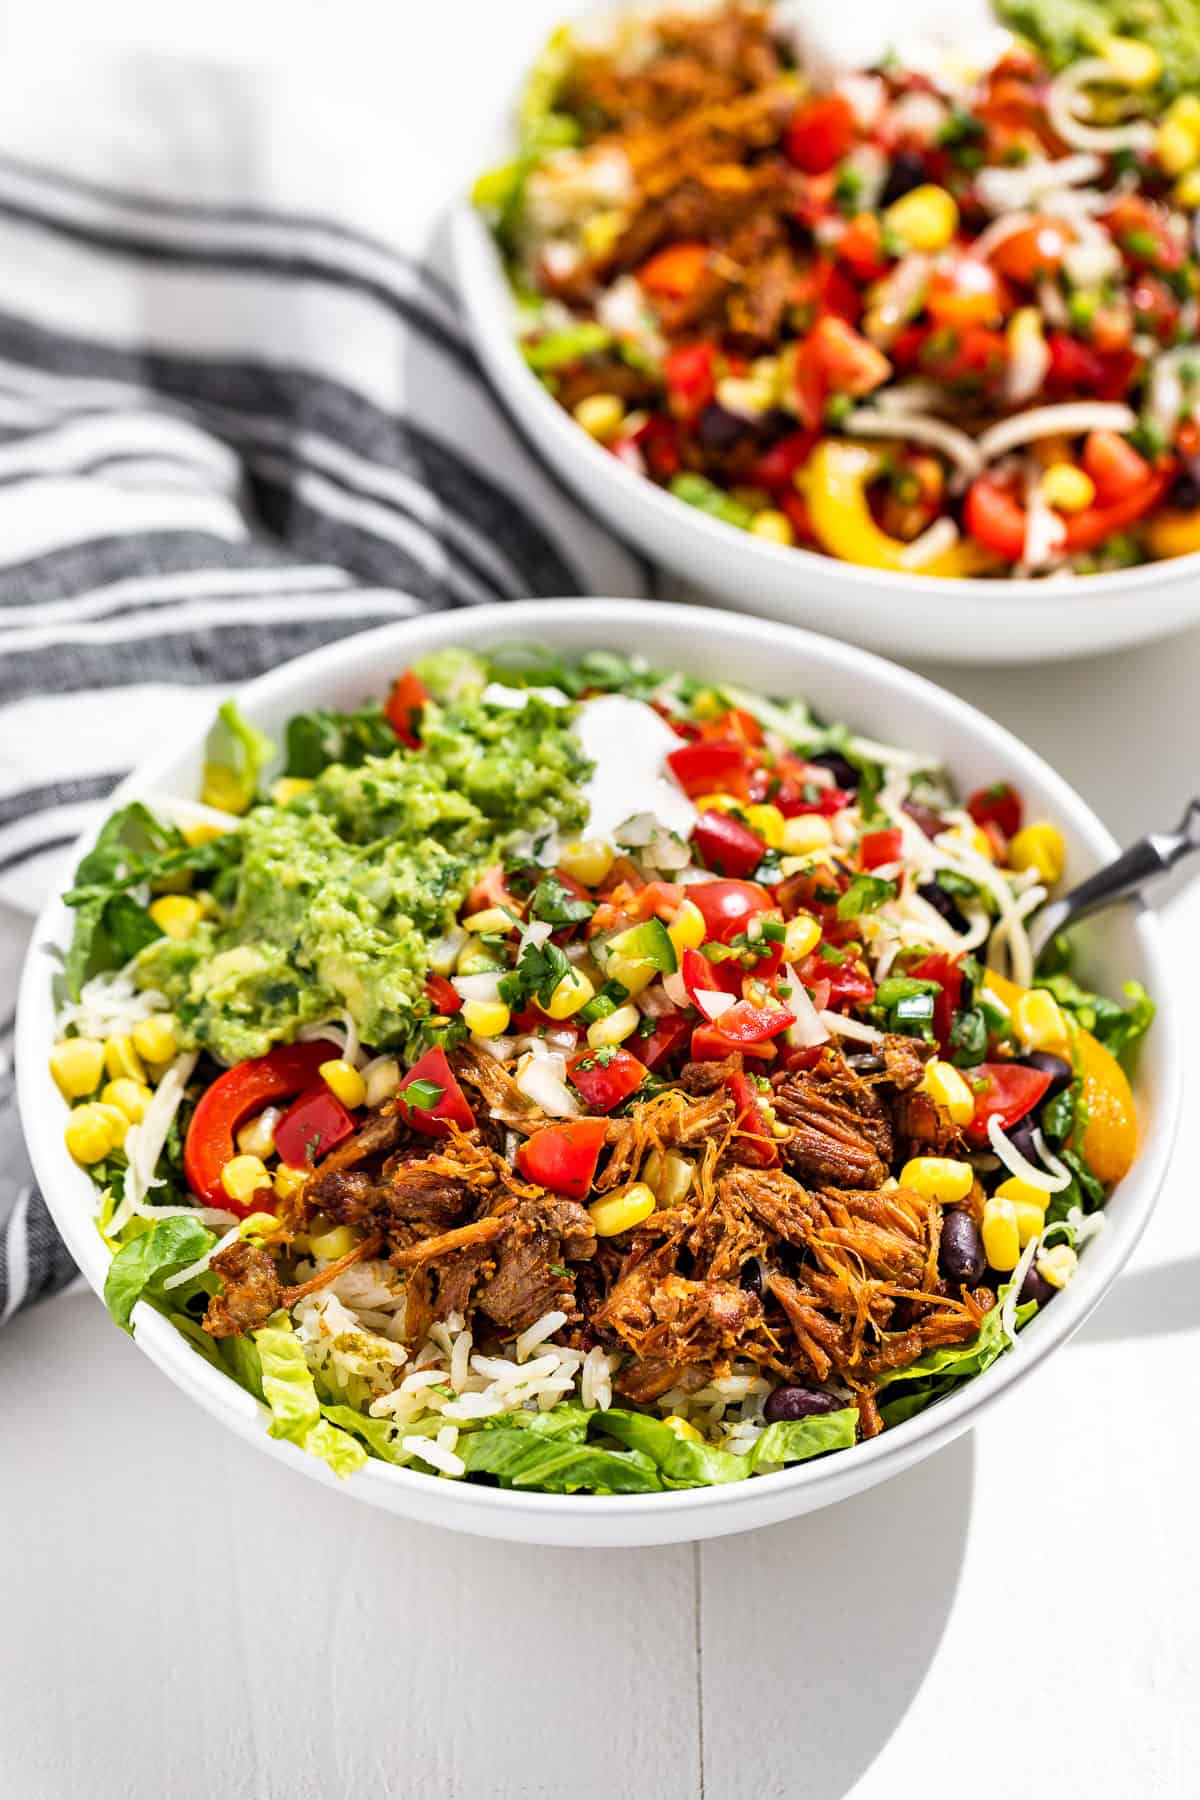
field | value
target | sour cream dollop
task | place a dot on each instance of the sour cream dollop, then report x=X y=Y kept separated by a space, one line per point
x=628 y=743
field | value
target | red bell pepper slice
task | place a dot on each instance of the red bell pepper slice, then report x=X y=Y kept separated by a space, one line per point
x=232 y=1098
x=670 y=1029
x=847 y=984
x=436 y=1117
x=880 y=847
x=943 y=969
x=311 y=1127
x=563 y=1158
x=754 y=1134
x=999 y=805
x=1096 y=523
x=605 y=1084
x=744 y=1023
x=1012 y=1090
x=775 y=469
x=404 y=706
x=710 y=767
x=442 y=995
x=709 y=1044
x=727 y=845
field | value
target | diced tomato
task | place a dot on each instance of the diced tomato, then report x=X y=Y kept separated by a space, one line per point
x=976 y=356
x=810 y=389
x=1012 y=1090
x=231 y=1099
x=700 y=976
x=532 y=1022
x=1077 y=368
x=848 y=362
x=820 y=133
x=999 y=805
x=442 y=995
x=848 y=984
x=491 y=890
x=670 y=1029
x=879 y=847
x=672 y=274
x=776 y=468
x=404 y=706
x=727 y=845
x=860 y=247
x=691 y=379
x=712 y=767
x=709 y=1044
x=605 y=1084
x=743 y=1023
x=1111 y=328
x=1143 y=233
x=311 y=1127
x=1096 y=523
x=657 y=443
x=736 y=726
x=754 y=1134
x=825 y=289
x=1036 y=250
x=727 y=907
x=563 y=1157
x=995 y=518
x=797 y=790
x=1155 y=307
x=1114 y=466
x=449 y=1109
x=945 y=970
x=969 y=292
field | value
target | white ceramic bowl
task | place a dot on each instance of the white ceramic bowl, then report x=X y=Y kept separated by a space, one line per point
x=843 y=683
x=905 y=615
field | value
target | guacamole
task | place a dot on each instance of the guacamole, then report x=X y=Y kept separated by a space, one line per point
x=336 y=894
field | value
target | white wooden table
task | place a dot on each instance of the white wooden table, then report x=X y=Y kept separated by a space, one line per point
x=1018 y=1616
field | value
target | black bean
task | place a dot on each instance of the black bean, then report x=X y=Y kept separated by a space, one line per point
x=751 y=1277
x=800 y=1403
x=907 y=172
x=1056 y=1067
x=843 y=772
x=942 y=902
x=721 y=430
x=1035 y=1287
x=1185 y=489
x=960 y=1253
x=774 y=424
x=1020 y=1136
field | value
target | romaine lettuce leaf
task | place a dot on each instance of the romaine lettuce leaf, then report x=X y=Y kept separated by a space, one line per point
x=1116 y=1027
x=290 y=1392
x=795 y=1440
x=551 y=1453
x=971 y=1358
x=139 y=1268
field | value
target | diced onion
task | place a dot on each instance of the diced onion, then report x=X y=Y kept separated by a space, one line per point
x=541 y=1077
x=485 y=987
x=1007 y=191
x=675 y=991
x=838 y=1025
x=808 y=1028
x=953 y=443
x=713 y=1002
x=1020 y=1166
x=935 y=540
x=1070 y=419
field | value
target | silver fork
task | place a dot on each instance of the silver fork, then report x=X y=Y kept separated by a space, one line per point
x=1135 y=868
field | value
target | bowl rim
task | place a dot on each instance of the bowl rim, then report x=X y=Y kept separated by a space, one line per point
x=482 y=282
x=67 y=1188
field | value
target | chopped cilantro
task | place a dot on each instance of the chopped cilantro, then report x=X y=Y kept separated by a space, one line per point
x=557 y=905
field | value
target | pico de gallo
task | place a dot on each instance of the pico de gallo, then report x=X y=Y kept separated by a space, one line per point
x=922 y=317
x=583 y=1076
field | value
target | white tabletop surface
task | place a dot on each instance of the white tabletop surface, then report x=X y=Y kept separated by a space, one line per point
x=1019 y=1615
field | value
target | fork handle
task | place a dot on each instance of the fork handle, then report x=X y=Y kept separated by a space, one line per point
x=1144 y=861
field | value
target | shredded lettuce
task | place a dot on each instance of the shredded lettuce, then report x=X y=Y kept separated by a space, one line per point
x=939 y=1371
x=140 y=1267
x=290 y=1392
x=1116 y=1027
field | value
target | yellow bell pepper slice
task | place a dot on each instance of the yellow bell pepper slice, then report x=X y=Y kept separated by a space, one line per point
x=1110 y=1137
x=834 y=482
x=1173 y=533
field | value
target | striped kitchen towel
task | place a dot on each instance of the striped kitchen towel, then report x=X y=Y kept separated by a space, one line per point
x=234 y=425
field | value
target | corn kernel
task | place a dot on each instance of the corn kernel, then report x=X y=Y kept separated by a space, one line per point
x=808 y=831
x=176 y=915
x=621 y=1212
x=776 y=527
x=1040 y=847
x=486 y=1018
x=926 y=218
x=949 y=1088
x=493 y=921
x=687 y=930
x=669 y=1174
x=572 y=992
x=224 y=790
x=344 y=1080
x=288 y=1181
x=1175 y=147
x=1001 y=1238
x=720 y=802
x=801 y=936
x=257 y=1135
x=261 y=1225
x=242 y=1176
x=601 y=416
x=195 y=835
x=769 y=822
x=1187 y=189
x=154 y=1038
x=382 y=1080
x=118 y=1123
x=120 y=1058
x=606 y=1034
x=289 y=787
x=599 y=233
x=77 y=1065
x=1037 y=1020
x=938 y=1178
x=1185 y=110
x=1067 y=488
x=586 y=860
x=88 y=1135
x=130 y=1097
x=683 y=1428
x=327 y=1246
x=1133 y=64
x=1057 y=1265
